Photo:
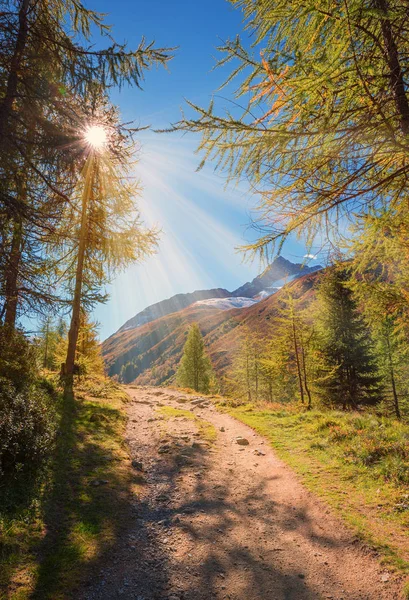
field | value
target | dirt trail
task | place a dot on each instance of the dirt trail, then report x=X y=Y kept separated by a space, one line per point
x=220 y=520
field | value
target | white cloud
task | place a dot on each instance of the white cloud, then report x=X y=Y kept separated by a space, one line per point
x=313 y=256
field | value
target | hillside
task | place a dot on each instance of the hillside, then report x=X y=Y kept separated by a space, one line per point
x=153 y=350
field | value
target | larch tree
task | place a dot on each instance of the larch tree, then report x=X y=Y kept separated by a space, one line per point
x=107 y=233
x=290 y=355
x=48 y=69
x=195 y=369
x=319 y=121
x=245 y=373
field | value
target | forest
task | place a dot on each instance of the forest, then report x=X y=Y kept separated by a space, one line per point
x=317 y=125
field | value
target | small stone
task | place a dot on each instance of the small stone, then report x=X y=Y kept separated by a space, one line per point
x=259 y=452
x=199 y=444
x=241 y=441
x=137 y=465
x=385 y=577
x=222 y=429
x=301 y=575
x=197 y=401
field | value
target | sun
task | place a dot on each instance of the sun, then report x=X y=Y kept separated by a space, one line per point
x=96 y=136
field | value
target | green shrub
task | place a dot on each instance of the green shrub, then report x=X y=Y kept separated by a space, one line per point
x=27 y=427
x=18 y=360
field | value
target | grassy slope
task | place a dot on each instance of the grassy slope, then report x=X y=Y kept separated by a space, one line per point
x=358 y=464
x=71 y=517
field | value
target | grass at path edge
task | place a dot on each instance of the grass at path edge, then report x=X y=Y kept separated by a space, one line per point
x=71 y=517
x=323 y=449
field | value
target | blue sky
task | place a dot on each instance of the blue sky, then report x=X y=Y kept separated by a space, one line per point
x=202 y=221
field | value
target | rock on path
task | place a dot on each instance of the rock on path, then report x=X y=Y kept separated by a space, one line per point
x=225 y=520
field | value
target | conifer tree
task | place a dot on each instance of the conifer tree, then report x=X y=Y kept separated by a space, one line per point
x=48 y=71
x=392 y=352
x=195 y=369
x=106 y=229
x=350 y=376
x=88 y=356
x=245 y=372
x=291 y=358
x=319 y=119
x=379 y=280
x=49 y=336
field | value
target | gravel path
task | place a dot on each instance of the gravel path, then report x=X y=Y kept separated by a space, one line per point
x=221 y=520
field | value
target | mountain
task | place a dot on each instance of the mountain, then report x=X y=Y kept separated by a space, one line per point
x=147 y=349
x=171 y=305
x=280 y=269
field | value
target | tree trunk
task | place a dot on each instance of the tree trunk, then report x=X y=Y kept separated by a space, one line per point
x=297 y=359
x=304 y=369
x=248 y=376
x=6 y=105
x=79 y=275
x=45 y=361
x=396 y=74
x=256 y=376
x=392 y=376
x=12 y=272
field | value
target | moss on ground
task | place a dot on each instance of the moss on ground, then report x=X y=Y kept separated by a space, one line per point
x=205 y=429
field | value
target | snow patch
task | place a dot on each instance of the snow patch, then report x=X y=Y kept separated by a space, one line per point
x=266 y=293
x=226 y=303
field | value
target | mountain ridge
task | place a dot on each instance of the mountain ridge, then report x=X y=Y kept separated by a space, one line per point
x=279 y=269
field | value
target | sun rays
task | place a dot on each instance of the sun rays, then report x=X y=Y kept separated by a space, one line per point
x=201 y=229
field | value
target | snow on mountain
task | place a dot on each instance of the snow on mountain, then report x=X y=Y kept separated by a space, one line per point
x=226 y=303
x=266 y=293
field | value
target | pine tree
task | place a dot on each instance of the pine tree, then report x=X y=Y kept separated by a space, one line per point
x=350 y=377
x=195 y=369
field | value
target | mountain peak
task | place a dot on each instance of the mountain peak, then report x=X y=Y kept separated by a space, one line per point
x=279 y=269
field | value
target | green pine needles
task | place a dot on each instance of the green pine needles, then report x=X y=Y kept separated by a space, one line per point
x=195 y=369
x=350 y=373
